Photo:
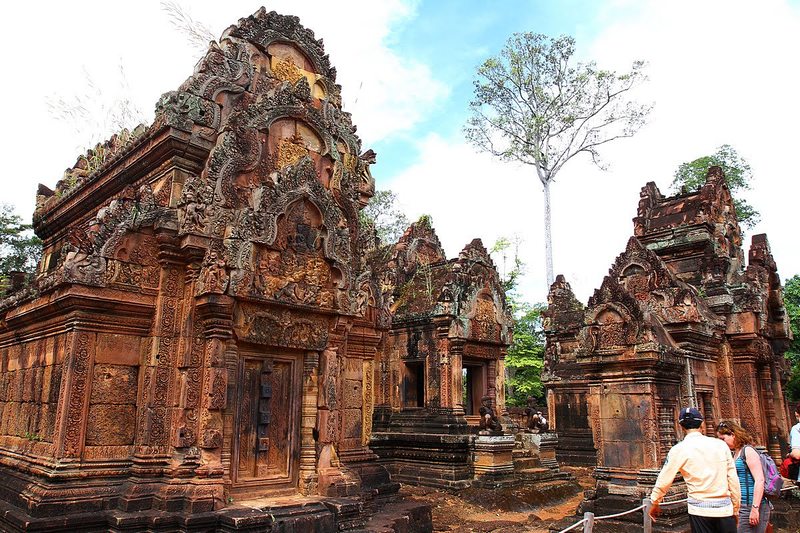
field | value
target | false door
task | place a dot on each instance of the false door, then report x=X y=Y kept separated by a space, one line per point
x=266 y=433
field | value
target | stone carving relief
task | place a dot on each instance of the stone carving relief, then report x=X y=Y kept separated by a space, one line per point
x=281 y=328
x=483 y=323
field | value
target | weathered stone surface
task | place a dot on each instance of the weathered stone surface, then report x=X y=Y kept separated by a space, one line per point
x=110 y=424
x=118 y=349
x=114 y=384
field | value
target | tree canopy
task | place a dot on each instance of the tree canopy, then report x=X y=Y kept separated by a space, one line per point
x=19 y=247
x=384 y=214
x=692 y=175
x=534 y=104
x=525 y=358
x=791 y=299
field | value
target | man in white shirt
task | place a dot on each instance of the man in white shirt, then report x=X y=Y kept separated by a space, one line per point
x=710 y=475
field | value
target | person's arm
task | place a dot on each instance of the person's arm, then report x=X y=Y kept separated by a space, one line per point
x=667 y=476
x=733 y=486
x=754 y=465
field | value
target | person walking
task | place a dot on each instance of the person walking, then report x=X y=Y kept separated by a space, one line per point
x=710 y=476
x=755 y=509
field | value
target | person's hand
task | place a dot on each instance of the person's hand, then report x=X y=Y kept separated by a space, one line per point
x=655 y=511
x=754 y=517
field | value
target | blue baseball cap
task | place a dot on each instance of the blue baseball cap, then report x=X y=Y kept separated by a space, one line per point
x=690 y=417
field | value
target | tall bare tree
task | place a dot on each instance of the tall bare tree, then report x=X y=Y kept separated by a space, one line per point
x=536 y=105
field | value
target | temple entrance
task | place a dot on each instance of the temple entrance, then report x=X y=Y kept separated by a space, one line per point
x=474 y=387
x=266 y=432
x=414 y=384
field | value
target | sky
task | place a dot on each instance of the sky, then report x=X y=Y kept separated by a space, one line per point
x=720 y=72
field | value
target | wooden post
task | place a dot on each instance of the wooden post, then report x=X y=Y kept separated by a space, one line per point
x=648 y=522
x=588 y=524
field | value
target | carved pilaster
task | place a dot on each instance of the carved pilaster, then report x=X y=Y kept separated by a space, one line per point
x=153 y=438
x=500 y=399
x=75 y=390
x=445 y=363
x=185 y=426
x=726 y=385
x=308 y=454
x=457 y=377
x=368 y=398
x=747 y=384
x=216 y=312
x=768 y=401
x=780 y=408
x=491 y=380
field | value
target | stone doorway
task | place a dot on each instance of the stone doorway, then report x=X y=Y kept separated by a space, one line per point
x=473 y=386
x=265 y=450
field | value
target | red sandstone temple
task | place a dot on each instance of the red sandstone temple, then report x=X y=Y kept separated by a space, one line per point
x=679 y=320
x=213 y=328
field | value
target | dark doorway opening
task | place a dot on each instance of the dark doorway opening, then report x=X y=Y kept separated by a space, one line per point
x=414 y=384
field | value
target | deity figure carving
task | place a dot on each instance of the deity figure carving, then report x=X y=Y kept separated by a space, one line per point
x=215 y=278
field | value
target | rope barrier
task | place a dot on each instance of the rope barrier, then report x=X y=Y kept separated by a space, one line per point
x=641 y=508
x=623 y=513
x=573 y=526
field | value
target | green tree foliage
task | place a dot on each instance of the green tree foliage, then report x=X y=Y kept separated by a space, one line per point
x=791 y=298
x=525 y=357
x=19 y=247
x=692 y=175
x=382 y=212
x=535 y=105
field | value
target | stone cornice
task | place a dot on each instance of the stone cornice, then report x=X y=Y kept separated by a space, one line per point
x=163 y=145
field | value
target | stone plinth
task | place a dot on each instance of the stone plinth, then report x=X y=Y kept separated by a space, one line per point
x=423 y=448
x=547 y=443
x=493 y=462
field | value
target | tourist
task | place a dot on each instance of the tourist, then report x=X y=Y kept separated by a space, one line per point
x=755 y=509
x=794 y=438
x=711 y=482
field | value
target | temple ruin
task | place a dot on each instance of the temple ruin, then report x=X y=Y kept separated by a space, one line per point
x=679 y=320
x=215 y=340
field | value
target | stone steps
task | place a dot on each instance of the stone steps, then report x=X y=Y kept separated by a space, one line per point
x=400 y=517
x=529 y=475
x=525 y=463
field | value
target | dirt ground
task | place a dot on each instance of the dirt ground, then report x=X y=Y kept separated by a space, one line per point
x=470 y=512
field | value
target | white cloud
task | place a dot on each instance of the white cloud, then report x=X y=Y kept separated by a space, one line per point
x=54 y=44
x=721 y=72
